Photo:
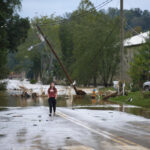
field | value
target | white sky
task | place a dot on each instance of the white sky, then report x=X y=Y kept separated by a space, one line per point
x=32 y=8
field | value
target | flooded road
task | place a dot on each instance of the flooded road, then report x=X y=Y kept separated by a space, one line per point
x=80 y=123
x=76 y=103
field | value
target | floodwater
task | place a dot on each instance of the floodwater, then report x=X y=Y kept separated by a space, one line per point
x=86 y=102
x=79 y=124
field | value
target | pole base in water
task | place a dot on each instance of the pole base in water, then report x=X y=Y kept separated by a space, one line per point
x=80 y=92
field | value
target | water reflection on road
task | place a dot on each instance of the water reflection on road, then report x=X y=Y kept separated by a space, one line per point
x=74 y=102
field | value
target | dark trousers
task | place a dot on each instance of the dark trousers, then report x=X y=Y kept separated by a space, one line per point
x=52 y=104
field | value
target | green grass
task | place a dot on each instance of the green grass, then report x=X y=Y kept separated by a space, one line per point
x=138 y=99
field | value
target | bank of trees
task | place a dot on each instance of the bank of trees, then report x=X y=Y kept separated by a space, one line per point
x=135 y=18
x=86 y=40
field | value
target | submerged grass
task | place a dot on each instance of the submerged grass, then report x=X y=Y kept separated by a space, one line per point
x=138 y=99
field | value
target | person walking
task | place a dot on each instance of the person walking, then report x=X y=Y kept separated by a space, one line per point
x=52 y=96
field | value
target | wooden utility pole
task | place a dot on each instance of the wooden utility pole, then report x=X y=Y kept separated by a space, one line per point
x=78 y=92
x=121 y=41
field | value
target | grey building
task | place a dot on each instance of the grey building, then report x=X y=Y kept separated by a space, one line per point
x=131 y=46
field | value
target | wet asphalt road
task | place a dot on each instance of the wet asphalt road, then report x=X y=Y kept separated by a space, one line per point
x=80 y=124
x=30 y=128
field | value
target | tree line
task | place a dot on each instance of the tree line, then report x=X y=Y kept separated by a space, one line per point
x=86 y=40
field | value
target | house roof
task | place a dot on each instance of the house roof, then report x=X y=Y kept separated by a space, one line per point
x=137 y=39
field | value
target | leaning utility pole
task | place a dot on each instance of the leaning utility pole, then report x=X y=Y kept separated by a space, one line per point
x=121 y=41
x=78 y=92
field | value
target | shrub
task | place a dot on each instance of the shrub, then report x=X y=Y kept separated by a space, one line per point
x=33 y=81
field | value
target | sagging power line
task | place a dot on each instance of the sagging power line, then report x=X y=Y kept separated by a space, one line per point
x=98 y=7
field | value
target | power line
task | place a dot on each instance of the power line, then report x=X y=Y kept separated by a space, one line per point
x=98 y=7
x=135 y=31
x=79 y=15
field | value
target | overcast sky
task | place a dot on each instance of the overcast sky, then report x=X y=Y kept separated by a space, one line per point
x=32 y=8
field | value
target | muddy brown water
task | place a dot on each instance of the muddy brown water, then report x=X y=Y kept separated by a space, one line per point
x=6 y=100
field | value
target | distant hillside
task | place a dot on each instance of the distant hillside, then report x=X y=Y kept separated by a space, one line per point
x=136 y=18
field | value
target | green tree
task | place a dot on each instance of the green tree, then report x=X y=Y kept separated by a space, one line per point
x=13 y=31
x=39 y=61
x=96 y=55
x=66 y=39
